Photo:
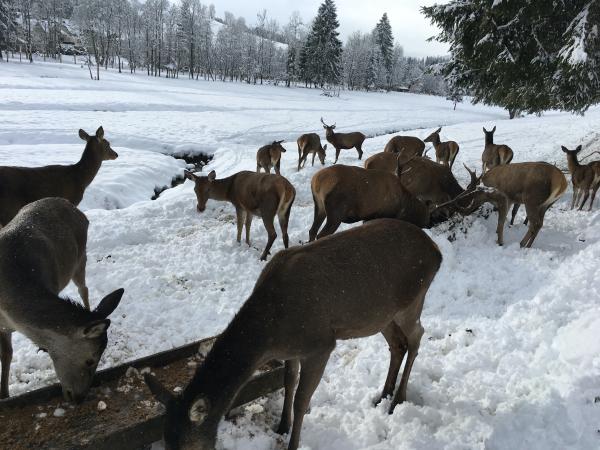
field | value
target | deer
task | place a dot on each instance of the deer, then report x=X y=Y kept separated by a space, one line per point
x=348 y=194
x=251 y=194
x=429 y=181
x=583 y=177
x=269 y=156
x=537 y=185
x=407 y=146
x=445 y=152
x=22 y=185
x=376 y=281
x=494 y=155
x=41 y=250
x=307 y=144
x=343 y=141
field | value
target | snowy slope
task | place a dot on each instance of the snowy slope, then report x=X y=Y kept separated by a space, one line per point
x=510 y=358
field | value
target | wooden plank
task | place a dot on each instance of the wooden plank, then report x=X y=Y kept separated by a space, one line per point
x=132 y=419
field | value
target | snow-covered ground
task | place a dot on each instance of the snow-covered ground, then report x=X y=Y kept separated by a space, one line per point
x=511 y=354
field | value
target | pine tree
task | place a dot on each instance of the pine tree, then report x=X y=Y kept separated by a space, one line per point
x=322 y=52
x=291 y=65
x=525 y=56
x=385 y=42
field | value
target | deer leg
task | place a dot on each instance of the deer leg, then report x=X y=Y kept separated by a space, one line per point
x=397 y=345
x=6 y=353
x=576 y=194
x=502 y=213
x=268 y=222
x=359 y=150
x=536 y=220
x=278 y=167
x=413 y=343
x=292 y=367
x=257 y=168
x=284 y=218
x=330 y=227
x=310 y=375
x=594 y=190
x=239 y=214
x=313 y=159
x=248 y=225
x=79 y=280
x=337 y=154
x=515 y=210
x=319 y=217
x=585 y=197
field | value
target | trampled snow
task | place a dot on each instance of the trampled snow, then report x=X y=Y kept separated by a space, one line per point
x=511 y=355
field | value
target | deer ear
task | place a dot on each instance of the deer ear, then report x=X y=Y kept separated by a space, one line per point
x=438 y=130
x=95 y=329
x=484 y=130
x=325 y=147
x=578 y=149
x=83 y=135
x=189 y=175
x=199 y=410
x=564 y=149
x=212 y=175
x=109 y=303
x=161 y=393
x=100 y=133
x=494 y=129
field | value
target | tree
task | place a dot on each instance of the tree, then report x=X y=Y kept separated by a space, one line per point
x=322 y=52
x=384 y=40
x=525 y=56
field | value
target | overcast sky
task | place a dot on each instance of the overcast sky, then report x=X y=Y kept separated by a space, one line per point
x=411 y=29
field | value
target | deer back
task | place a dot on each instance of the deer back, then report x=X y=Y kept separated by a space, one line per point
x=309 y=142
x=384 y=161
x=429 y=181
x=346 y=140
x=407 y=145
x=251 y=190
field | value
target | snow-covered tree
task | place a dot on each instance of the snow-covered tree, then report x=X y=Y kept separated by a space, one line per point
x=525 y=56
x=384 y=40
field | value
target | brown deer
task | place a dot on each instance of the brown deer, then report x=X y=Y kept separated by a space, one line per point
x=252 y=194
x=445 y=152
x=22 y=185
x=41 y=250
x=427 y=180
x=583 y=177
x=537 y=185
x=407 y=146
x=494 y=155
x=310 y=143
x=269 y=156
x=348 y=194
x=343 y=141
x=377 y=277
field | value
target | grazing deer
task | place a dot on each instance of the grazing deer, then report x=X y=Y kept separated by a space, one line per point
x=494 y=155
x=583 y=177
x=269 y=156
x=41 y=250
x=22 y=185
x=445 y=152
x=310 y=143
x=343 y=141
x=428 y=181
x=348 y=194
x=259 y=194
x=537 y=185
x=377 y=277
x=406 y=146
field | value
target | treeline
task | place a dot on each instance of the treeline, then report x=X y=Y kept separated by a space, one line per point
x=188 y=39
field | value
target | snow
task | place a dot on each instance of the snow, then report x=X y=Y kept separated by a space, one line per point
x=511 y=355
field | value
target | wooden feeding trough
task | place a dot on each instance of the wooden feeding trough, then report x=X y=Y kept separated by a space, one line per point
x=119 y=413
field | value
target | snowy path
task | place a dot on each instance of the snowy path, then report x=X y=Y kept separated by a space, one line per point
x=511 y=355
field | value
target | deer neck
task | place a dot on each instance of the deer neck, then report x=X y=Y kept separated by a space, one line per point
x=228 y=366
x=88 y=165
x=221 y=190
x=436 y=141
x=489 y=140
x=572 y=162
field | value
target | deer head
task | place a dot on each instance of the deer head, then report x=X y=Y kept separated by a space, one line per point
x=433 y=137
x=202 y=187
x=489 y=135
x=571 y=152
x=328 y=128
x=185 y=425
x=277 y=145
x=98 y=144
x=76 y=353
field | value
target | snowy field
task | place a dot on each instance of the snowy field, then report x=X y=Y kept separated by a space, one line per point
x=511 y=353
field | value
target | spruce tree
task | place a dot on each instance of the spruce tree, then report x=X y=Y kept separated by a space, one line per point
x=322 y=53
x=525 y=56
x=385 y=42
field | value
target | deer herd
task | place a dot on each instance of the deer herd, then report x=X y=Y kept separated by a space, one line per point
x=374 y=280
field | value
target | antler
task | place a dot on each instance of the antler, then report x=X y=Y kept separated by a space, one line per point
x=323 y=122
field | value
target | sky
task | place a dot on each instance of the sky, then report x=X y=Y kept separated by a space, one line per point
x=411 y=29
